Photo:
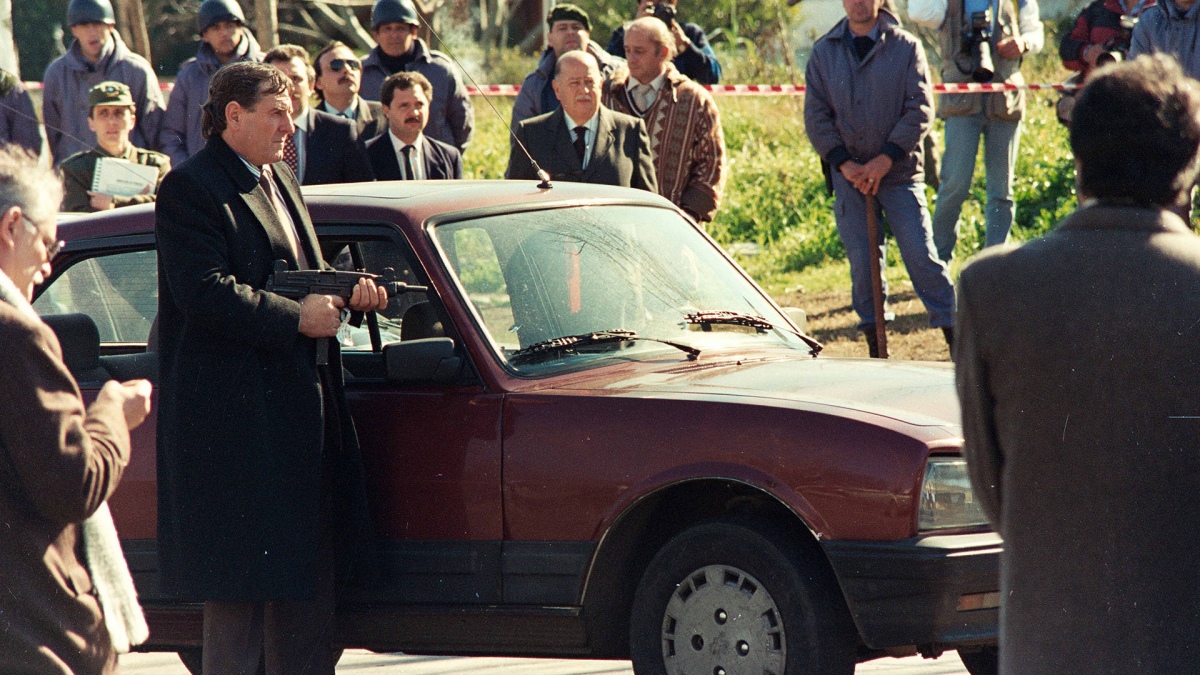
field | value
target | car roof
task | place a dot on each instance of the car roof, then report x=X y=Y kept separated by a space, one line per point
x=417 y=200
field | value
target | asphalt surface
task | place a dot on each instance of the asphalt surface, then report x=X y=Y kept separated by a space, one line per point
x=358 y=661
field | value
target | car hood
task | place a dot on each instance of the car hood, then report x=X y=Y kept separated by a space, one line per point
x=913 y=392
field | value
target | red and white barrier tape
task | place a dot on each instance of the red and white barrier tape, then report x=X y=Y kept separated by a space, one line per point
x=757 y=89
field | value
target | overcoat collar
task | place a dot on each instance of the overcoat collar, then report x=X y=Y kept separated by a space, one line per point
x=259 y=203
x=1101 y=216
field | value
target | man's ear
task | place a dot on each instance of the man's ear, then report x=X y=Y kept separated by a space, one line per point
x=10 y=220
x=233 y=114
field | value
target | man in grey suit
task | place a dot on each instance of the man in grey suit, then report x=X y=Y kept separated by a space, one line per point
x=1078 y=358
x=583 y=141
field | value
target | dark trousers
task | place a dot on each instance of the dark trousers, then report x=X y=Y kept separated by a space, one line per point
x=288 y=637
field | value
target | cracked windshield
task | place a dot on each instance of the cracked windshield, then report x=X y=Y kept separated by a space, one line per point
x=619 y=280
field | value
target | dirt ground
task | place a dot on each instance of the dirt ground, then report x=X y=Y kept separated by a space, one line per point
x=832 y=320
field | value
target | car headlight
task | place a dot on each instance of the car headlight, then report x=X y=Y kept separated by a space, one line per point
x=947 y=500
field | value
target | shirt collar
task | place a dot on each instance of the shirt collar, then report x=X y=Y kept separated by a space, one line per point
x=655 y=84
x=351 y=112
x=398 y=144
x=592 y=124
x=256 y=170
x=301 y=122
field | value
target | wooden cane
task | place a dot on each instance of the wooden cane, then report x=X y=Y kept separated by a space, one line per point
x=876 y=276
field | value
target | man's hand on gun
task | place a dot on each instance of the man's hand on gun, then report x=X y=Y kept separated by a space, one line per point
x=321 y=315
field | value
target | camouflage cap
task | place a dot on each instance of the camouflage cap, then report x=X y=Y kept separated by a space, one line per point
x=568 y=12
x=109 y=93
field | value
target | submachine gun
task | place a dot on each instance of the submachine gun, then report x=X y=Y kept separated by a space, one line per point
x=298 y=284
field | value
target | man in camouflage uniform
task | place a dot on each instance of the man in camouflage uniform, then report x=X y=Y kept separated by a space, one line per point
x=111 y=116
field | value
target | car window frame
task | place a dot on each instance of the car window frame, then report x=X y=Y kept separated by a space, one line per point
x=80 y=250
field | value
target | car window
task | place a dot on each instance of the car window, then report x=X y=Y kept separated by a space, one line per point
x=384 y=256
x=542 y=275
x=119 y=291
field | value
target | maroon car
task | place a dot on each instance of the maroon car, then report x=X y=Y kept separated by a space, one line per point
x=593 y=436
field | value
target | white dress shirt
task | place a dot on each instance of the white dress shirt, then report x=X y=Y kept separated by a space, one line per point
x=350 y=113
x=417 y=155
x=589 y=135
x=642 y=104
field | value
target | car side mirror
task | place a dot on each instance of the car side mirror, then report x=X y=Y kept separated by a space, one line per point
x=798 y=317
x=427 y=360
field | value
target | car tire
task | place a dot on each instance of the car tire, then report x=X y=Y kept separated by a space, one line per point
x=984 y=661
x=734 y=596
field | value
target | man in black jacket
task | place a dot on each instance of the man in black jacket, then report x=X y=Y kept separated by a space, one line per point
x=404 y=152
x=583 y=141
x=257 y=456
x=325 y=148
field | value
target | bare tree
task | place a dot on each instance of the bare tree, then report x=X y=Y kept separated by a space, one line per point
x=131 y=21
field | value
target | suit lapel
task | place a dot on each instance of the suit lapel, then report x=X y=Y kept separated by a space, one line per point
x=256 y=199
x=565 y=145
x=289 y=189
x=433 y=168
x=604 y=141
x=383 y=159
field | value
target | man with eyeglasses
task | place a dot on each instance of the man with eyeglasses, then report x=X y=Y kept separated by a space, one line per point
x=111 y=116
x=324 y=148
x=394 y=25
x=61 y=460
x=338 y=81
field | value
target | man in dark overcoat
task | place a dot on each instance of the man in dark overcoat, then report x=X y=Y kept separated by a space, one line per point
x=1078 y=356
x=583 y=141
x=257 y=456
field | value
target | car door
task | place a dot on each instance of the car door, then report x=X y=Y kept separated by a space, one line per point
x=431 y=448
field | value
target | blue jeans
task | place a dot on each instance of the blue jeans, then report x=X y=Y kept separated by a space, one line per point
x=908 y=216
x=1000 y=140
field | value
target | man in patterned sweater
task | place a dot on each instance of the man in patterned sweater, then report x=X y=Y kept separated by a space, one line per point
x=680 y=115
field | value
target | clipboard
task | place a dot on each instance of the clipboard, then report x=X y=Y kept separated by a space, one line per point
x=121 y=178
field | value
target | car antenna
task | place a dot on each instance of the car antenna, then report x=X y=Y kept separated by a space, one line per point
x=545 y=184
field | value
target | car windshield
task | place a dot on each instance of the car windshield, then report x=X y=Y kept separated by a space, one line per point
x=538 y=276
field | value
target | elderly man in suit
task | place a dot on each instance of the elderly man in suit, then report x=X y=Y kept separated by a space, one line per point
x=260 y=482
x=325 y=148
x=1077 y=361
x=338 y=82
x=404 y=152
x=583 y=141
x=61 y=460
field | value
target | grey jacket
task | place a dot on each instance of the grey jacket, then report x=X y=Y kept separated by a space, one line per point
x=1165 y=29
x=536 y=97
x=18 y=123
x=64 y=99
x=451 y=116
x=181 y=136
x=1083 y=449
x=884 y=104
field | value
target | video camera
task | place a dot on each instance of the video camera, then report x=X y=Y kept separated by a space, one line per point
x=665 y=13
x=976 y=57
x=1116 y=49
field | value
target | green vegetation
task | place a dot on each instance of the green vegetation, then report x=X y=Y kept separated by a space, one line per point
x=775 y=193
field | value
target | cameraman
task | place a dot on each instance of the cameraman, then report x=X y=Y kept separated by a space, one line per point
x=981 y=41
x=1102 y=33
x=694 y=55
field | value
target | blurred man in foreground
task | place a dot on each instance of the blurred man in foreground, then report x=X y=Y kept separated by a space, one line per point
x=59 y=463
x=1077 y=362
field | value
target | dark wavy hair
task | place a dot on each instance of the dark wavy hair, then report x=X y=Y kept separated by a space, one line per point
x=1135 y=132
x=245 y=82
x=403 y=81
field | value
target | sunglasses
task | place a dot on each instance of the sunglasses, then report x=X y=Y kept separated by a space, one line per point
x=336 y=65
x=52 y=247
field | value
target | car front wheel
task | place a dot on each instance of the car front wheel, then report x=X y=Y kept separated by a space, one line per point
x=732 y=596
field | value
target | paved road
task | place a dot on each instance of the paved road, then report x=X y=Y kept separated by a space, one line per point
x=358 y=661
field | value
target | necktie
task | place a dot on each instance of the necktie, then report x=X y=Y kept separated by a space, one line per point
x=407 y=151
x=644 y=94
x=285 y=219
x=580 y=143
x=290 y=156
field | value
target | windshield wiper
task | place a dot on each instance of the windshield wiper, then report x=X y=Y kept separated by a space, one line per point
x=569 y=342
x=758 y=323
